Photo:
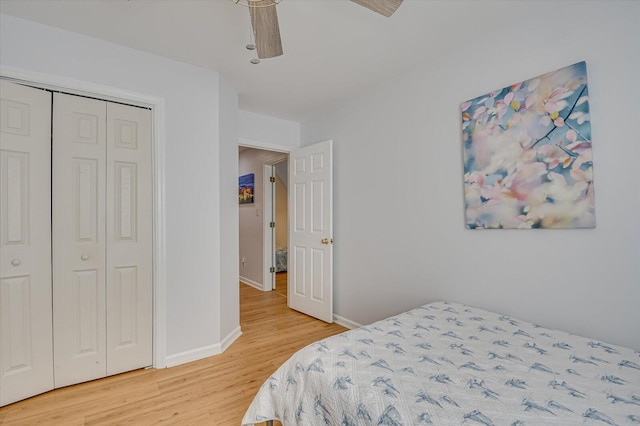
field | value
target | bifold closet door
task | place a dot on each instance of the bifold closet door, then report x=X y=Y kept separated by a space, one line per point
x=129 y=239
x=102 y=236
x=79 y=235
x=26 y=359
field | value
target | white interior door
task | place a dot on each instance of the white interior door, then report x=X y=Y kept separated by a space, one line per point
x=26 y=360
x=310 y=265
x=129 y=239
x=79 y=184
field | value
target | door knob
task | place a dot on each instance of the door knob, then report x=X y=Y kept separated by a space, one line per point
x=326 y=241
x=84 y=257
x=16 y=262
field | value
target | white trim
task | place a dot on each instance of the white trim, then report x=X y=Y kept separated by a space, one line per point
x=231 y=337
x=268 y=233
x=157 y=106
x=193 y=355
x=77 y=87
x=159 y=239
x=345 y=322
x=203 y=352
x=264 y=145
x=251 y=283
x=269 y=209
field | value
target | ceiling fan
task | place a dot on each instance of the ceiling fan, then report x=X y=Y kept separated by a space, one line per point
x=264 y=21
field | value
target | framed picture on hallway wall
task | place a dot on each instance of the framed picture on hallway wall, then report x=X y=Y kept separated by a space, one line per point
x=246 y=188
x=527 y=154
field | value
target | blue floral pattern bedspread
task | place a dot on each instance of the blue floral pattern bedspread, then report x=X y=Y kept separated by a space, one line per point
x=450 y=364
x=281 y=260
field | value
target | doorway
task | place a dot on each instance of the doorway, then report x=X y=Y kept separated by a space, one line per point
x=310 y=229
x=263 y=218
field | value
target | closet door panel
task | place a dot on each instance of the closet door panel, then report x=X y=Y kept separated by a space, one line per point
x=129 y=239
x=79 y=158
x=26 y=358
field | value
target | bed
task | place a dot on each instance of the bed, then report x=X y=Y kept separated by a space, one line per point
x=450 y=364
x=281 y=259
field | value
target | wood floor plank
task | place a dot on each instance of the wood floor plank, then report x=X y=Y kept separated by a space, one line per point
x=212 y=391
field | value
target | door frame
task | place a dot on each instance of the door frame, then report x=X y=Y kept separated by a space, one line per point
x=268 y=244
x=157 y=106
x=269 y=234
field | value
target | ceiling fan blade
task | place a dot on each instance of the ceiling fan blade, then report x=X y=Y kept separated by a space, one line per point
x=264 y=21
x=383 y=7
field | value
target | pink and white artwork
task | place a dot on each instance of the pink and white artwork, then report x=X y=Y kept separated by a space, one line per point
x=527 y=154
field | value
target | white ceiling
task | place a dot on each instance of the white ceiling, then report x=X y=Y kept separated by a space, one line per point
x=333 y=49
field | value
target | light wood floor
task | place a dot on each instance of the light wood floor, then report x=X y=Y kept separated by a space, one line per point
x=212 y=391
x=281 y=284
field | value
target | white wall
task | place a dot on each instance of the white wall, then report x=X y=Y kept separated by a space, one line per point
x=268 y=130
x=229 y=292
x=193 y=211
x=399 y=221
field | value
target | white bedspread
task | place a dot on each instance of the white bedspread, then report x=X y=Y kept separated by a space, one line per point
x=449 y=364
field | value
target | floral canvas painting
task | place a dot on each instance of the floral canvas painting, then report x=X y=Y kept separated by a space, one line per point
x=527 y=154
x=246 y=188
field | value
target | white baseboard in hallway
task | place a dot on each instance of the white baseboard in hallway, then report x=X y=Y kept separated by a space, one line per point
x=251 y=283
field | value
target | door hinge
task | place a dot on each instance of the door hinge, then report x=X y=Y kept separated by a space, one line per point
x=272 y=269
x=272 y=224
x=272 y=179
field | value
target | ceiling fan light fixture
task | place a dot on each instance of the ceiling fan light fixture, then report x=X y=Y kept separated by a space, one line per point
x=255 y=61
x=383 y=7
x=254 y=3
x=266 y=32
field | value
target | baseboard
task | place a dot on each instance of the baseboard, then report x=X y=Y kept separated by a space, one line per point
x=204 y=352
x=231 y=337
x=345 y=322
x=193 y=355
x=251 y=283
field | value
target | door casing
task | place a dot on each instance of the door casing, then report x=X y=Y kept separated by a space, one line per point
x=268 y=206
x=268 y=252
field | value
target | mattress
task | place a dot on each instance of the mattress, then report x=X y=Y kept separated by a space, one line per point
x=450 y=364
x=281 y=259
